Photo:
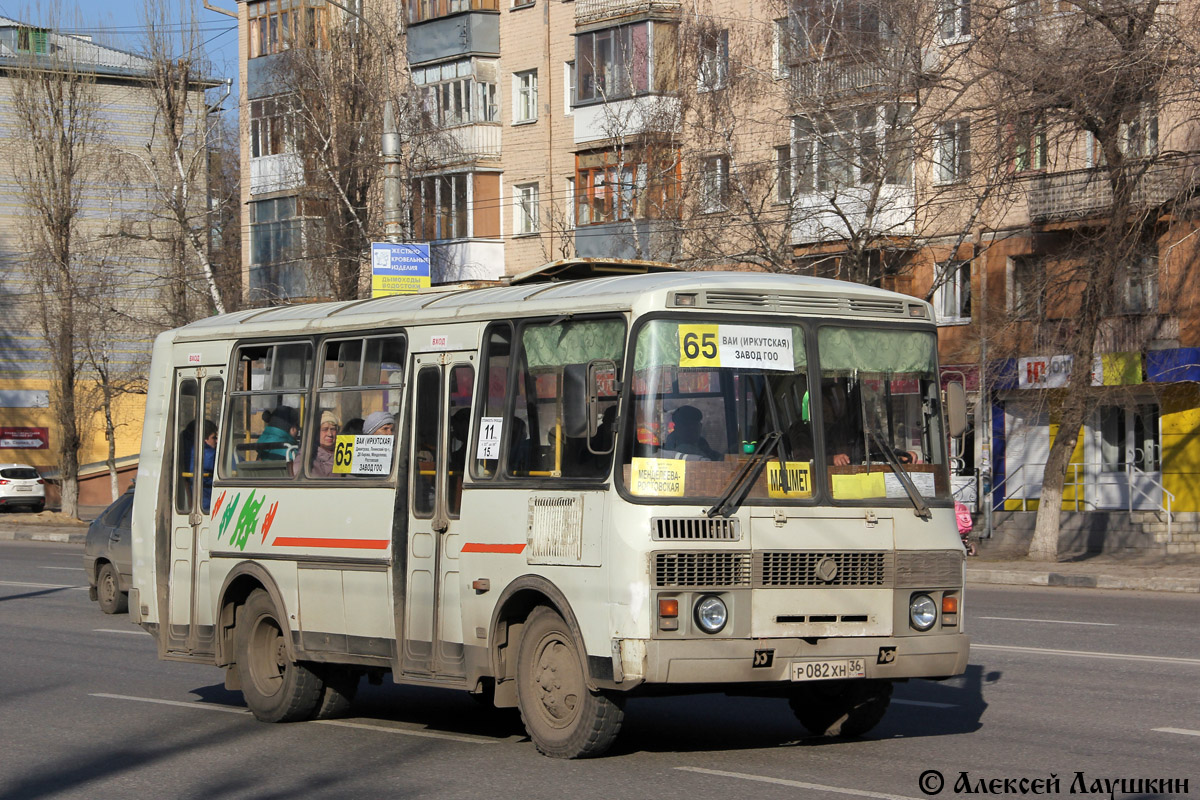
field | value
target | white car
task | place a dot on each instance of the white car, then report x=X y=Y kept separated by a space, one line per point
x=21 y=487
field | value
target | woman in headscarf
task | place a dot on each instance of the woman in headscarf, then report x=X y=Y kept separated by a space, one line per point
x=379 y=423
x=322 y=460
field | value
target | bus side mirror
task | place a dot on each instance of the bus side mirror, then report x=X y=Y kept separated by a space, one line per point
x=956 y=408
x=602 y=393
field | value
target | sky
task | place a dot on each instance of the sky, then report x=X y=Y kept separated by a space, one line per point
x=119 y=23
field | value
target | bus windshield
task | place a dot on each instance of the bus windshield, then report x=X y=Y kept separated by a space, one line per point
x=705 y=395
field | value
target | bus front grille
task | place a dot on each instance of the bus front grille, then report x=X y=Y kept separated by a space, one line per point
x=833 y=569
x=695 y=529
x=917 y=569
x=709 y=570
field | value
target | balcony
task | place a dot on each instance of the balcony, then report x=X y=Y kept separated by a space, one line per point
x=842 y=77
x=618 y=119
x=463 y=144
x=591 y=11
x=279 y=173
x=823 y=218
x=1083 y=193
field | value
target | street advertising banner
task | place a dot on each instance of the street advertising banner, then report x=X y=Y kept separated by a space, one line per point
x=399 y=268
x=24 y=438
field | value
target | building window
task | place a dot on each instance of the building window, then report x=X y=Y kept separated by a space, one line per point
x=461 y=92
x=277 y=25
x=522 y=3
x=421 y=10
x=1026 y=287
x=1025 y=142
x=439 y=207
x=952 y=300
x=611 y=186
x=277 y=249
x=714 y=184
x=954 y=19
x=616 y=63
x=713 y=71
x=525 y=96
x=525 y=211
x=1139 y=136
x=33 y=40
x=568 y=86
x=569 y=210
x=783 y=174
x=952 y=151
x=272 y=126
x=783 y=48
x=859 y=147
x=1138 y=284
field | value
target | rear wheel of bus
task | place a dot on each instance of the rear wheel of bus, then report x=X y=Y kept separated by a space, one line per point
x=842 y=708
x=276 y=688
x=562 y=716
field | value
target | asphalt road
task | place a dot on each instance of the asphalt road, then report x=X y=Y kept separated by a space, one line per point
x=1061 y=681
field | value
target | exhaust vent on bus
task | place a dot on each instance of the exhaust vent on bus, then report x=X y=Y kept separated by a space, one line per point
x=695 y=529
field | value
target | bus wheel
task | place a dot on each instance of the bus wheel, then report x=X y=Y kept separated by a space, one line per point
x=108 y=592
x=842 y=708
x=563 y=718
x=340 y=684
x=276 y=688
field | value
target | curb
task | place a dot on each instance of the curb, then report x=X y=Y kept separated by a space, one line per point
x=60 y=537
x=1027 y=578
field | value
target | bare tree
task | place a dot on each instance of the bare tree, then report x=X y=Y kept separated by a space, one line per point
x=57 y=115
x=1110 y=87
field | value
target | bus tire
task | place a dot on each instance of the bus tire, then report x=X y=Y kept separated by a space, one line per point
x=563 y=718
x=339 y=686
x=276 y=689
x=844 y=708
x=108 y=592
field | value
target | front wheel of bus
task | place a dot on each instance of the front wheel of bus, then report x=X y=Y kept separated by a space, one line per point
x=276 y=688
x=562 y=716
x=842 y=708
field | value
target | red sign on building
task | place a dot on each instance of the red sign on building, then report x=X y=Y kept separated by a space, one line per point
x=24 y=438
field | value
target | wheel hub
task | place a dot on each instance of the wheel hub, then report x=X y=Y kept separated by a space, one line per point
x=558 y=681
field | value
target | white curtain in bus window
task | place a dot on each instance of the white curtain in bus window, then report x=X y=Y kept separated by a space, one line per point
x=268 y=391
x=549 y=422
x=352 y=432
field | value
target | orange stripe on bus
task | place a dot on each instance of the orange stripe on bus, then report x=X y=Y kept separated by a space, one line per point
x=349 y=544
x=478 y=547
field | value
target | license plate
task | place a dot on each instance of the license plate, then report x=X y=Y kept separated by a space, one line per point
x=24 y=488
x=828 y=670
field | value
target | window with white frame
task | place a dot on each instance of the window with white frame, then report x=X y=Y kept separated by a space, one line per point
x=568 y=87
x=569 y=209
x=272 y=126
x=1027 y=287
x=783 y=174
x=525 y=96
x=952 y=151
x=714 y=184
x=525 y=212
x=952 y=299
x=1025 y=140
x=1139 y=136
x=853 y=147
x=783 y=48
x=461 y=92
x=713 y=68
x=1138 y=284
x=621 y=62
x=439 y=207
x=954 y=19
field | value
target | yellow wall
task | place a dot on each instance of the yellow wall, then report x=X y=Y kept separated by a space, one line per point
x=127 y=415
x=1181 y=445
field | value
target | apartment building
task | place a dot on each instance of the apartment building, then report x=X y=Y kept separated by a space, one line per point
x=126 y=279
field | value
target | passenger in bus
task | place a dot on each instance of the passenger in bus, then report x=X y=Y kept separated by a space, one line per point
x=685 y=437
x=283 y=424
x=460 y=423
x=208 y=458
x=379 y=423
x=353 y=427
x=322 y=460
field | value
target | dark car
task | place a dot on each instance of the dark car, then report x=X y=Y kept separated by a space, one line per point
x=108 y=558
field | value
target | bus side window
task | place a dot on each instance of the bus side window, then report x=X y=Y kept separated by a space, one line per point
x=493 y=390
x=186 y=409
x=462 y=376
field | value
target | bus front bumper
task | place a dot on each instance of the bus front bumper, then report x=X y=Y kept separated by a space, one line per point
x=771 y=660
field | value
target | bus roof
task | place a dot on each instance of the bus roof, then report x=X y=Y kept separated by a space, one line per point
x=727 y=291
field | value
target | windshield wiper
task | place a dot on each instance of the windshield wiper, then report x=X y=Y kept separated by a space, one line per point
x=889 y=454
x=784 y=446
x=744 y=479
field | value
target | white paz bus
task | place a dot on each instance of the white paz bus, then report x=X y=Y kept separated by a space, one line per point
x=598 y=480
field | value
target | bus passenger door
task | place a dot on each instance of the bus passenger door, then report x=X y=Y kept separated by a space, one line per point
x=189 y=624
x=433 y=640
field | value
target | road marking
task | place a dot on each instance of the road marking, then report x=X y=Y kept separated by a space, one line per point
x=1055 y=621
x=40 y=585
x=1087 y=654
x=922 y=703
x=80 y=569
x=1181 y=731
x=135 y=633
x=795 y=784
x=335 y=722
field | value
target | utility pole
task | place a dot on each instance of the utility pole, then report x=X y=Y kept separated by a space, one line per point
x=391 y=175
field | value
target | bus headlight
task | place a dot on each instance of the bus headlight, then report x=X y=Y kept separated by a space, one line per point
x=922 y=612
x=711 y=614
